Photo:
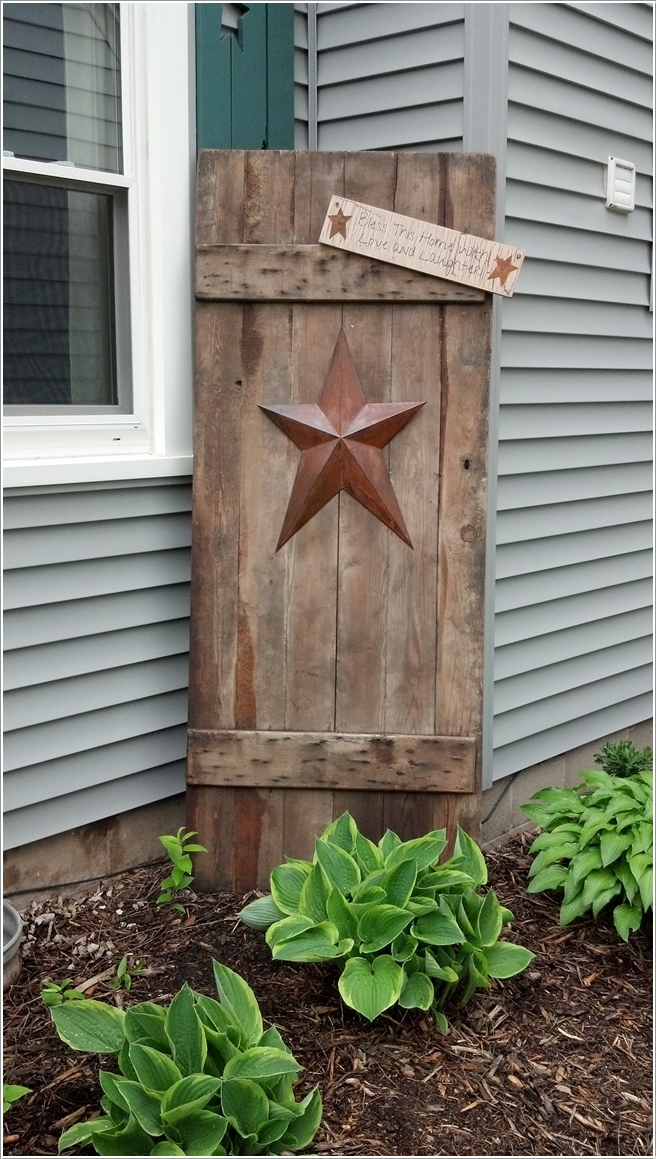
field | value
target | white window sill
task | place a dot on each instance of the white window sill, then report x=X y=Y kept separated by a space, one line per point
x=97 y=469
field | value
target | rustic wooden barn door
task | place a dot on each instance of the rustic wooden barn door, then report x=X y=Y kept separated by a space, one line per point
x=343 y=671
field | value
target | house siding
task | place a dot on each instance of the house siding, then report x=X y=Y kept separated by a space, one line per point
x=390 y=76
x=96 y=588
x=573 y=559
x=572 y=603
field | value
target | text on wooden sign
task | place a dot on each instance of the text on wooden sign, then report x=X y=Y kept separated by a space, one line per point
x=420 y=245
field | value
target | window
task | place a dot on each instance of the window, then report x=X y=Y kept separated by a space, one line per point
x=98 y=154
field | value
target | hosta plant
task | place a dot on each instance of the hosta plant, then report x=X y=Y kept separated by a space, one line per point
x=200 y=1077
x=406 y=928
x=597 y=846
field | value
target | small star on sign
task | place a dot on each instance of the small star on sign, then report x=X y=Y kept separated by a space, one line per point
x=502 y=270
x=338 y=222
x=341 y=440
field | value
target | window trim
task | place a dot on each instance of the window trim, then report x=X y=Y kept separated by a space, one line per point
x=157 y=66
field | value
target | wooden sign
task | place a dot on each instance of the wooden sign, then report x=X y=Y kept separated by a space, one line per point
x=420 y=245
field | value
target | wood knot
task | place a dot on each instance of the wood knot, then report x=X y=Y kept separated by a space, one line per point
x=468 y=533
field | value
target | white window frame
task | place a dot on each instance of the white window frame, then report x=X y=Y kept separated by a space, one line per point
x=159 y=150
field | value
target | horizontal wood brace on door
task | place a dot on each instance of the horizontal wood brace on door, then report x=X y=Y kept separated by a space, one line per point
x=314 y=273
x=325 y=760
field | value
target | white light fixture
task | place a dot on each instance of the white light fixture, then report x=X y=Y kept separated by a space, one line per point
x=620 y=185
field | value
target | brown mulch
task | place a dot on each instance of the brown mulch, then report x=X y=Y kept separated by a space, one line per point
x=553 y=1062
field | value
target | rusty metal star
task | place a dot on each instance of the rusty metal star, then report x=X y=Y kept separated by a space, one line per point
x=502 y=270
x=338 y=222
x=341 y=440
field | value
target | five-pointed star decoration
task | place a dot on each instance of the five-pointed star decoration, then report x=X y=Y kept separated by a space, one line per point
x=341 y=439
x=338 y=222
x=502 y=270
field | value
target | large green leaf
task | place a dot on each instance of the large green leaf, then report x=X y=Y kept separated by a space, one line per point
x=403 y=947
x=245 y=1105
x=261 y=1063
x=338 y=865
x=562 y=851
x=240 y=1001
x=597 y=883
x=214 y=1015
x=551 y=878
x=320 y=943
x=623 y=872
x=400 y=882
x=379 y=925
x=341 y=915
x=572 y=909
x=187 y=1096
x=314 y=895
x=154 y=1070
x=184 y=1031
x=584 y=863
x=261 y=913
x=111 y=1085
x=81 y=1133
x=371 y=987
x=287 y=928
x=89 y=1025
x=146 y=1020
x=506 y=959
x=144 y=1105
x=423 y=850
x=473 y=861
x=602 y=899
x=131 y=1140
x=287 y=882
x=554 y=837
x=626 y=919
x=202 y=1132
x=490 y=920
x=444 y=877
x=166 y=1147
x=438 y=929
x=435 y=969
x=303 y=1128
x=642 y=869
x=342 y=833
x=388 y=842
x=369 y=854
x=417 y=993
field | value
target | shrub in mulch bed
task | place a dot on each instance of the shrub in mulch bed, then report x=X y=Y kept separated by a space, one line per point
x=553 y=1062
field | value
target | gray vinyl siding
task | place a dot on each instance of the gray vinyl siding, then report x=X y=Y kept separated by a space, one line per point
x=390 y=76
x=573 y=590
x=572 y=630
x=96 y=642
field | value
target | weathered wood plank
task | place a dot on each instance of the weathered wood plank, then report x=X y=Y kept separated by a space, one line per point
x=307 y=813
x=469 y=206
x=267 y=471
x=415 y=468
x=210 y=814
x=268 y=759
x=313 y=273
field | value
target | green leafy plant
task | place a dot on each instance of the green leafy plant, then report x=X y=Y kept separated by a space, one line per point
x=122 y=979
x=11 y=1094
x=54 y=993
x=199 y=1077
x=409 y=930
x=180 y=878
x=623 y=758
x=597 y=846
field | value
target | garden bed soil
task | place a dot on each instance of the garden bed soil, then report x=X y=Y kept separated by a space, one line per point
x=553 y=1062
